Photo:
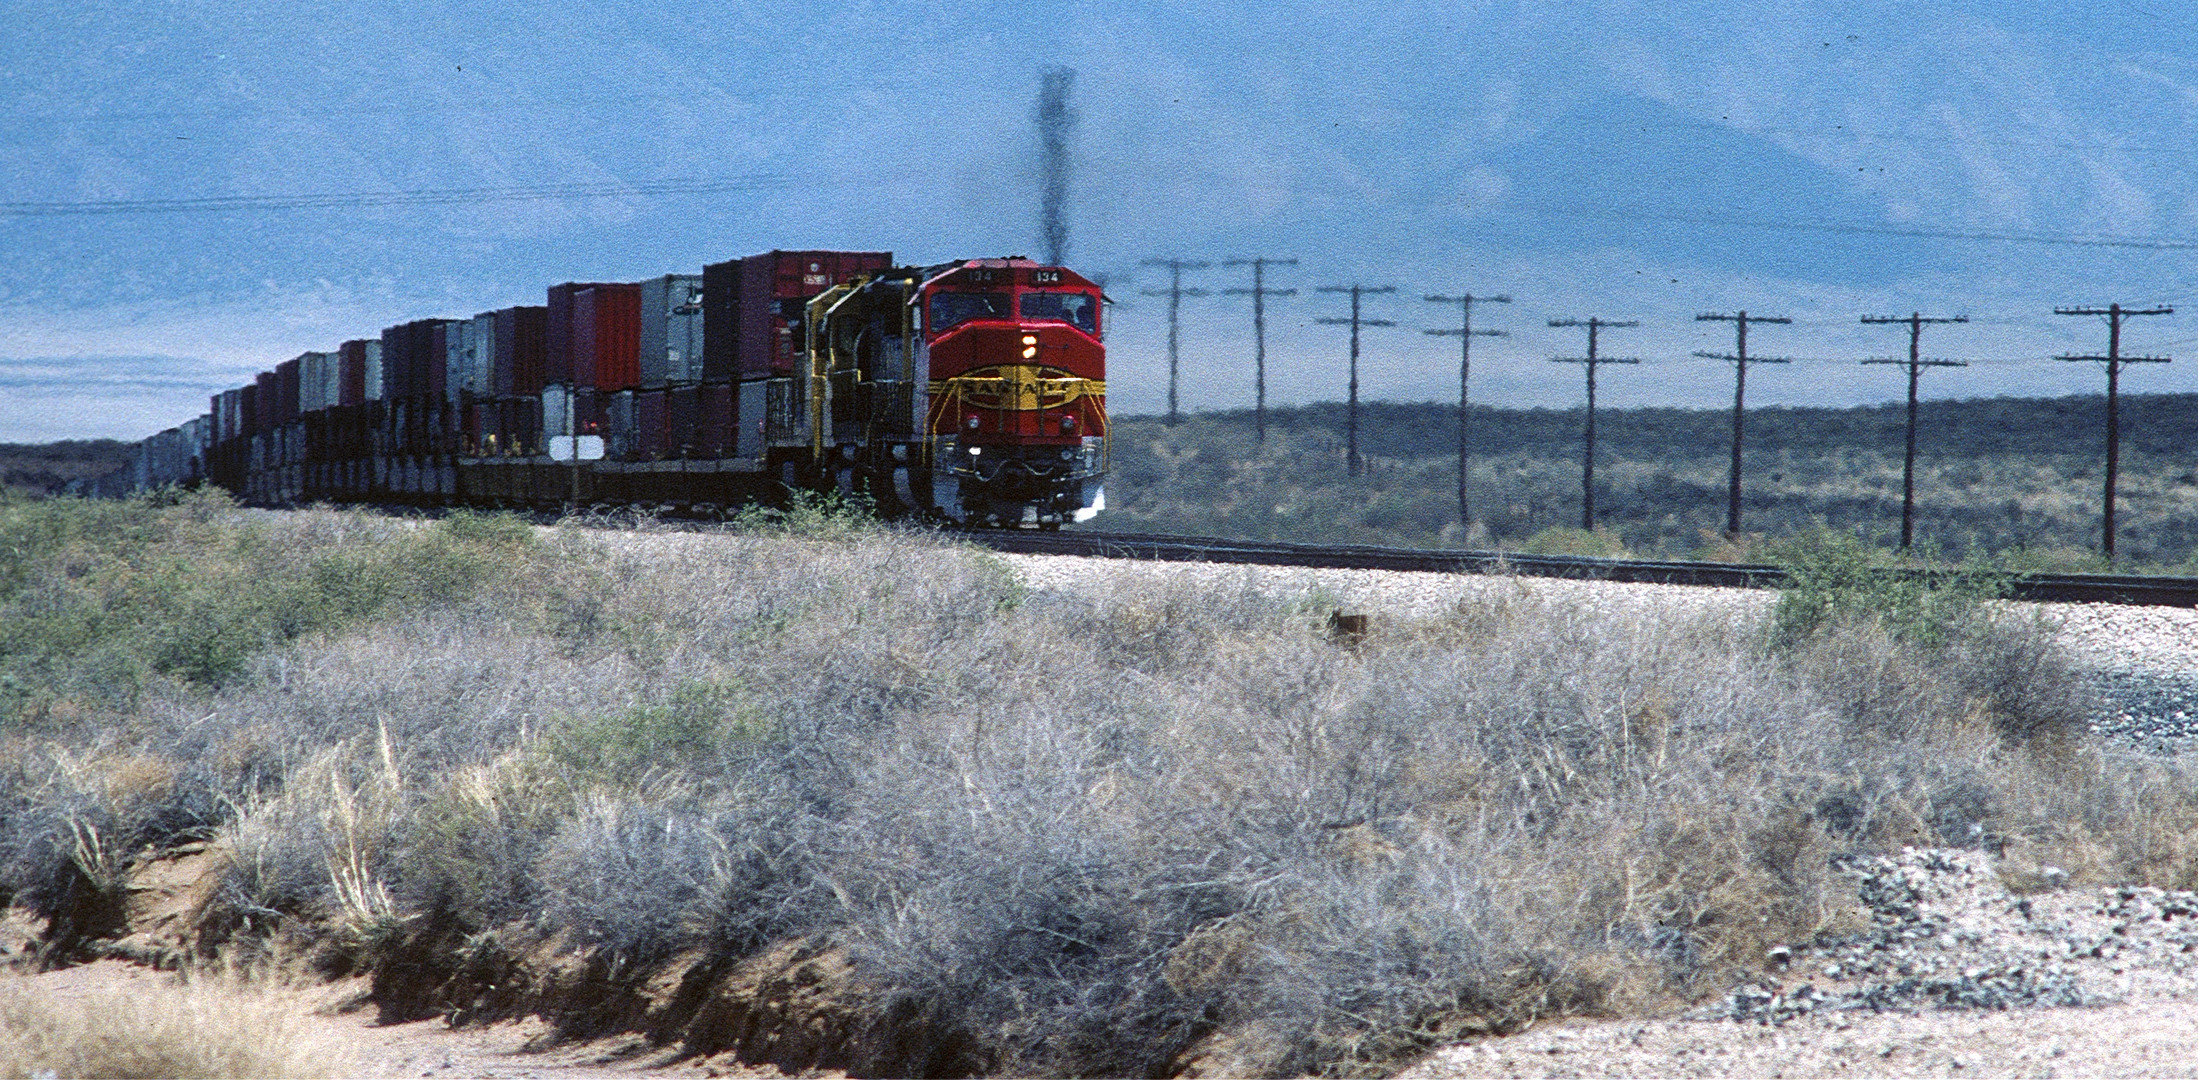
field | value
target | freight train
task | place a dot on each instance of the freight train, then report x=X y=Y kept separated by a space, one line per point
x=970 y=391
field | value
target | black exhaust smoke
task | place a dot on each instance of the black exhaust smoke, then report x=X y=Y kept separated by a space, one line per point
x=1055 y=118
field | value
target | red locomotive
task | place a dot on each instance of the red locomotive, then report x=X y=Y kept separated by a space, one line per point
x=971 y=391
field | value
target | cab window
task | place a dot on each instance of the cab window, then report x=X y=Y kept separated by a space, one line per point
x=1078 y=309
x=950 y=309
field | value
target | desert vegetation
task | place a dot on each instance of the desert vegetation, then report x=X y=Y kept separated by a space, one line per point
x=1122 y=831
x=2012 y=478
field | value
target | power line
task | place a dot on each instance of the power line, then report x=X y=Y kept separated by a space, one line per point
x=1351 y=460
x=2176 y=243
x=1587 y=459
x=1465 y=335
x=1175 y=293
x=1259 y=292
x=1916 y=363
x=417 y=197
x=2113 y=360
x=1740 y=360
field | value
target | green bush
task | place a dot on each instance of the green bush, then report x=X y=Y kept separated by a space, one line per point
x=100 y=598
x=1834 y=577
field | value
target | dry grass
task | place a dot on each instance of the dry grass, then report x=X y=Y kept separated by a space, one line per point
x=202 y=1029
x=1079 y=833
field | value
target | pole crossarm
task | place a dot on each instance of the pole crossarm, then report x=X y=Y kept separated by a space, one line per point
x=1259 y=292
x=1465 y=335
x=1175 y=292
x=2113 y=361
x=1735 y=358
x=1352 y=461
x=1590 y=362
x=1915 y=322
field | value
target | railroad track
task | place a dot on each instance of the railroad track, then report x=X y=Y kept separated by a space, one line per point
x=2057 y=588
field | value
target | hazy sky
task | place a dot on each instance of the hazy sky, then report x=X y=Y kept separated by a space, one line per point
x=1630 y=161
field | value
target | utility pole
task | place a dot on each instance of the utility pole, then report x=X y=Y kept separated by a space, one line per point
x=1352 y=463
x=1465 y=335
x=1740 y=360
x=2113 y=360
x=1916 y=363
x=1259 y=292
x=1175 y=294
x=1587 y=466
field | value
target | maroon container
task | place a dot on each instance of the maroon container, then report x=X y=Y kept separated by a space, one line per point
x=774 y=288
x=266 y=414
x=435 y=364
x=683 y=405
x=714 y=411
x=522 y=342
x=351 y=376
x=287 y=382
x=651 y=425
x=558 y=332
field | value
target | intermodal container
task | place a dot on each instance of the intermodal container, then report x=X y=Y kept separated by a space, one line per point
x=606 y=337
x=522 y=341
x=267 y=415
x=435 y=360
x=481 y=359
x=683 y=412
x=652 y=424
x=715 y=423
x=775 y=287
x=672 y=331
x=287 y=381
x=351 y=380
x=557 y=334
x=720 y=320
x=618 y=428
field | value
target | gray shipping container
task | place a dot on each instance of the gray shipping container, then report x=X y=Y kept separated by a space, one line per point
x=671 y=329
x=555 y=403
x=457 y=357
x=315 y=381
x=480 y=357
x=373 y=370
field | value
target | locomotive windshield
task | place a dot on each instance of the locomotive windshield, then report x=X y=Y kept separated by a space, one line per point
x=1078 y=309
x=949 y=309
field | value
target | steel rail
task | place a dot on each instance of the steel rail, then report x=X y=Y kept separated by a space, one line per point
x=2129 y=589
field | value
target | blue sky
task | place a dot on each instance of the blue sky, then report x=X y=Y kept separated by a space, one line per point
x=1627 y=160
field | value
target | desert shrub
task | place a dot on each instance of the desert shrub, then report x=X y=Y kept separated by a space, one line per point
x=1558 y=540
x=1833 y=576
x=1074 y=831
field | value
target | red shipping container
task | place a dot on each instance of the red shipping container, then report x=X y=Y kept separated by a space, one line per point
x=606 y=337
x=774 y=289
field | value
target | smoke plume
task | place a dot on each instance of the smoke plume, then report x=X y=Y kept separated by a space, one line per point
x=1055 y=118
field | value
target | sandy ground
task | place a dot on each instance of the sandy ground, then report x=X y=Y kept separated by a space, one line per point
x=343 y=1031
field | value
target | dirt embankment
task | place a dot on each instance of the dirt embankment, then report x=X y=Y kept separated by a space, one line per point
x=793 y=1008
